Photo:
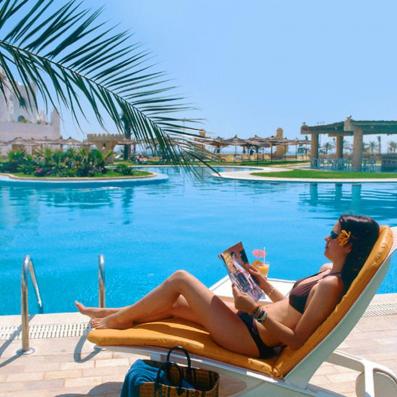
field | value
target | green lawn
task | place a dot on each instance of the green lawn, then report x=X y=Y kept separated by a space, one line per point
x=272 y=163
x=327 y=174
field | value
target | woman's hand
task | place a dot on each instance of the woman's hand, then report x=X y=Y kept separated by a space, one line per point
x=242 y=301
x=262 y=281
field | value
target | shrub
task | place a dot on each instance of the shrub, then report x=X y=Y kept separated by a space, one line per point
x=40 y=172
x=15 y=160
x=123 y=169
x=46 y=162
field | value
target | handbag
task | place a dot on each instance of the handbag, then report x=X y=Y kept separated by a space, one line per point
x=150 y=378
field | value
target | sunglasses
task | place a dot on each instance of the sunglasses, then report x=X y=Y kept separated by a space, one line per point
x=333 y=235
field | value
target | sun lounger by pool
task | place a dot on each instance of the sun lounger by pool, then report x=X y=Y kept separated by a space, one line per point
x=289 y=373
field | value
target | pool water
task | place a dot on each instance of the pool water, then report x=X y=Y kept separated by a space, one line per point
x=148 y=231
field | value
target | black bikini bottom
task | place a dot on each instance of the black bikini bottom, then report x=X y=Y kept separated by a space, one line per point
x=264 y=350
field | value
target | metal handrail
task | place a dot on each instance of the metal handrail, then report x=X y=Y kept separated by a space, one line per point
x=28 y=268
x=101 y=280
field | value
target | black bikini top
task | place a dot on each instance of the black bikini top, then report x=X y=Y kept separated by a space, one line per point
x=300 y=291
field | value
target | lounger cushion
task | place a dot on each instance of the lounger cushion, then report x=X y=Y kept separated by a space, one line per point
x=169 y=333
x=195 y=339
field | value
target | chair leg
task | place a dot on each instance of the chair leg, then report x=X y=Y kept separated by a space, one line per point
x=374 y=380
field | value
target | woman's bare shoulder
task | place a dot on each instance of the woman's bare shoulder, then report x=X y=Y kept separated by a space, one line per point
x=331 y=284
x=326 y=266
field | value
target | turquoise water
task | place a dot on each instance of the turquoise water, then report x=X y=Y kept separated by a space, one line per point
x=148 y=231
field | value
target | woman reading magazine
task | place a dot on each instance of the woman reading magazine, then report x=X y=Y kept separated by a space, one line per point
x=247 y=327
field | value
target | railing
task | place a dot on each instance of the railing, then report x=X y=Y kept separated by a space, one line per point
x=28 y=268
x=367 y=165
x=101 y=280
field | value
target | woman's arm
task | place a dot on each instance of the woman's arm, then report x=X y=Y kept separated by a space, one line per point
x=273 y=293
x=326 y=296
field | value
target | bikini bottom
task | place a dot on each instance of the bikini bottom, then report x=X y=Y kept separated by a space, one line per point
x=264 y=350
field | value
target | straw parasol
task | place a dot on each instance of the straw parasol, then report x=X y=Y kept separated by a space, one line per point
x=23 y=142
x=217 y=142
x=71 y=142
x=236 y=141
x=125 y=141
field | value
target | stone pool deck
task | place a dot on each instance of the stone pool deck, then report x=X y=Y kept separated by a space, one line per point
x=65 y=364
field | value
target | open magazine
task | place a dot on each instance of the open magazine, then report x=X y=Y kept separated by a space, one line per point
x=237 y=263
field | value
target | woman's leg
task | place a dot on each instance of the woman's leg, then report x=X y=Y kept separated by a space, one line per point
x=225 y=327
x=180 y=309
x=96 y=312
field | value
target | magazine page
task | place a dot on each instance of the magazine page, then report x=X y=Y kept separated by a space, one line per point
x=237 y=263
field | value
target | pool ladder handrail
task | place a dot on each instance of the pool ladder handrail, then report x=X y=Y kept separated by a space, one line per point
x=28 y=268
x=101 y=280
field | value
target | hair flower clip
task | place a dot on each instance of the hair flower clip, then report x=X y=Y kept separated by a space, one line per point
x=344 y=237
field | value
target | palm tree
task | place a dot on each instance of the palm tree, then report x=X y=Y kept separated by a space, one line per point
x=327 y=147
x=71 y=57
x=372 y=147
x=392 y=147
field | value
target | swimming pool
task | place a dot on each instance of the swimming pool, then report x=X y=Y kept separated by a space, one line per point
x=148 y=231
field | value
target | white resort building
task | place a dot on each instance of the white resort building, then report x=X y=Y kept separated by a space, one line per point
x=20 y=128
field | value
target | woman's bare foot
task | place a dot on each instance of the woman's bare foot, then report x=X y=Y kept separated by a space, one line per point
x=94 y=312
x=112 y=321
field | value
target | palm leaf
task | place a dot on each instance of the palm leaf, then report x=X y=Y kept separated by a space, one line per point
x=69 y=55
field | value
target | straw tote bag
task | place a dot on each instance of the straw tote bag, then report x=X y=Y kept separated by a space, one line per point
x=152 y=378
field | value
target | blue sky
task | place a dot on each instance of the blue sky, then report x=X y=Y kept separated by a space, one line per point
x=252 y=66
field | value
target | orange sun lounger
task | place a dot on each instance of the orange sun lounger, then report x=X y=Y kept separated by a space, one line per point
x=289 y=373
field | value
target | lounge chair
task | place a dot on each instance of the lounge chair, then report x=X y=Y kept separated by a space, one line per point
x=289 y=373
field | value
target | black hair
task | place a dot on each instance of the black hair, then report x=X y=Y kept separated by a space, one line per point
x=364 y=233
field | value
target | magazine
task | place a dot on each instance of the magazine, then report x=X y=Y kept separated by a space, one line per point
x=237 y=263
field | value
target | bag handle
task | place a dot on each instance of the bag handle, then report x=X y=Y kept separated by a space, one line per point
x=166 y=366
x=189 y=361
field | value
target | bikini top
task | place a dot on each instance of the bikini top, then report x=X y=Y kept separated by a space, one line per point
x=300 y=291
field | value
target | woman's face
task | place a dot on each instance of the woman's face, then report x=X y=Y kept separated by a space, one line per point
x=333 y=250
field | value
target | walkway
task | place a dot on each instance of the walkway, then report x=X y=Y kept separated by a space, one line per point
x=66 y=365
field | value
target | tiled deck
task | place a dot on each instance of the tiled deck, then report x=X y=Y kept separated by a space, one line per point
x=69 y=366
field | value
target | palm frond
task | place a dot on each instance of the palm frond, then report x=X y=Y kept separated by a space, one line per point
x=70 y=56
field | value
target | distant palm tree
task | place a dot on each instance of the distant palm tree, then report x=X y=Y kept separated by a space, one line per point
x=327 y=147
x=392 y=147
x=372 y=147
x=77 y=62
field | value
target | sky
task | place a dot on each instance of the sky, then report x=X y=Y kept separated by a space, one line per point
x=255 y=65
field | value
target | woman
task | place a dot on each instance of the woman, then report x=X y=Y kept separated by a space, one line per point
x=246 y=327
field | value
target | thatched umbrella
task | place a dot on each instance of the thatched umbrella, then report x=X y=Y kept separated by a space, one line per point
x=125 y=141
x=71 y=142
x=23 y=142
x=217 y=142
x=128 y=142
x=235 y=141
x=257 y=142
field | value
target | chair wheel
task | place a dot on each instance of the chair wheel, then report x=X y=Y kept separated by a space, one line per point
x=384 y=384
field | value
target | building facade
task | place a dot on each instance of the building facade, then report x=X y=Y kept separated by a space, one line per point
x=18 y=123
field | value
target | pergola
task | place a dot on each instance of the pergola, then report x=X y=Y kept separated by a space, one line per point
x=349 y=127
x=108 y=141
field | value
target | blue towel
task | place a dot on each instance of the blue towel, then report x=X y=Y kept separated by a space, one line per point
x=143 y=371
